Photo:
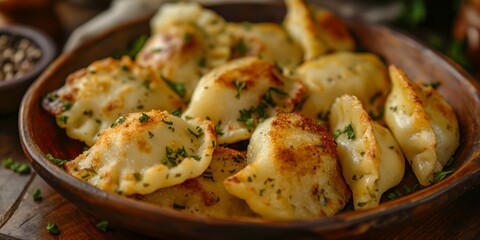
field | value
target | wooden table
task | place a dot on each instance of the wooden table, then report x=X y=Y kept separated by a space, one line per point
x=23 y=218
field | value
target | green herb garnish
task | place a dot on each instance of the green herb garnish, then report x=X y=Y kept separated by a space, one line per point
x=197 y=134
x=53 y=228
x=439 y=176
x=37 y=195
x=167 y=122
x=62 y=119
x=178 y=88
x=144 y=118
x=239 y=86
x=434 y=85
x=348 y=130
x=252 y=116
x=187 y=37
x=102 y=225
x=55 y=160
x=240 y=47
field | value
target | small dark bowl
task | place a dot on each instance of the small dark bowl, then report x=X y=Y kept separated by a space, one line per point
x=12 y=90
x=40 y=135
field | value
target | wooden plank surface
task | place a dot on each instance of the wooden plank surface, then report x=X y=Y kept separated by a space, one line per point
x=24 y=218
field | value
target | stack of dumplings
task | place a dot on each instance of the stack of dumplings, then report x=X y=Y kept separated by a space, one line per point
x=252 y=119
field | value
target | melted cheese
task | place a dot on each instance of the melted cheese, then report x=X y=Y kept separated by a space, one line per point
x=205 y=194
x=293 y=171
x=371 y=159
x=240 y=94
x=331 y=76
x=143 y=152
x=93 y=98
x=423 y=124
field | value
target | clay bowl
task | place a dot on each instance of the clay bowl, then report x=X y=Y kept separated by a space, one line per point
x=40 y=135
x=12 y=90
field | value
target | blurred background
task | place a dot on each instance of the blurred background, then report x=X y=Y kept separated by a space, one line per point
x=450 y=26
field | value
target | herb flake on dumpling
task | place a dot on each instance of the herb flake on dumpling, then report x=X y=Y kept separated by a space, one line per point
x=371 y=159
x=424 y=125
x=292 y=172
x=143 y=152
x=240 y=94
x=94 y=97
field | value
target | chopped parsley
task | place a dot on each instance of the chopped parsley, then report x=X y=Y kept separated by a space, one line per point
x=434 y=85
x=144 y=118
x=218 y=130
x=187 y=37
x=16 y=167
x=118 y=121
x=102 y=225
x=267 y=97
x=379 y=115
x=348 y=130
x=375 y=97
x=239 y=86
x=62 y=119
x=124 y=68
x=178 y=88
x=299 y=105
x=53 y=228
x=439 y=176
x=197 y=134
x=37 y=195
x=66 y=106
x=175 y=156
x=240 y=48
x=137 y=46
x=137 y=176
x=51 y=97
x=202 y=62
x=167 y=122
x=407 y=190
x=177 y=112
x=253 y=115
x=55 y=160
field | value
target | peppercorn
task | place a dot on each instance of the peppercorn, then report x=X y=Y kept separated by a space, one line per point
x=18 y=56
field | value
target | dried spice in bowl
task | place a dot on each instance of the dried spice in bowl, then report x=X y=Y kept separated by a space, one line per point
x=19 y=56
x=25 y=53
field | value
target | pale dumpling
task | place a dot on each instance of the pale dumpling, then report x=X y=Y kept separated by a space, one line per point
x=333 y=75
x=93 y=97
x=187 y=42
x=371 y=160
x=206 y=194
x=292 y=172
x=317 y=30
x=240 y=94
x=143 y=152
x=268 y=41
x=424 y=125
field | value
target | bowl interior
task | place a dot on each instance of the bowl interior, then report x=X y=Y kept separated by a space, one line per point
x=40 y=135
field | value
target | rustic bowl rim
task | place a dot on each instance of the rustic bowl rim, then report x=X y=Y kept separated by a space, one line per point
x=463 y=179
